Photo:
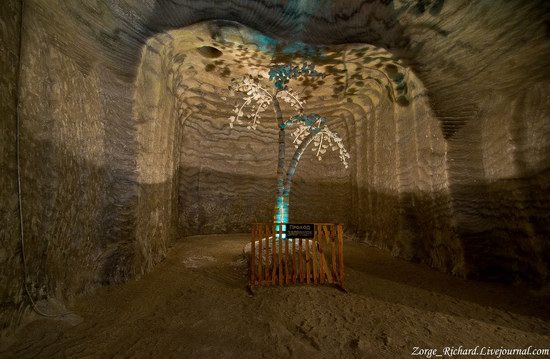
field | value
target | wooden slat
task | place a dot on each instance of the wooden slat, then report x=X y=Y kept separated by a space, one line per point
x=274 y=254
x=321 y=255
x=341 y=253
x=327 y=270
x=307 y=261
x=326 y=234
x=260 y=256
x=293 y=261
x=301 y=261
x=287 y=275
x=333 y=252
x=280 y=254
x=267 y=260
x=314 y=259
x=311 y=264
x=252 y=258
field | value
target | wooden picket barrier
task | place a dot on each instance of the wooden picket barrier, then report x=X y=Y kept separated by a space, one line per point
x=317 y=260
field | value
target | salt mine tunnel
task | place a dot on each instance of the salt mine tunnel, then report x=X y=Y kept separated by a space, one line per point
x=128 y=193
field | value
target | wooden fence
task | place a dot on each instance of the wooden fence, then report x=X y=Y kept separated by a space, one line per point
x=277 y=261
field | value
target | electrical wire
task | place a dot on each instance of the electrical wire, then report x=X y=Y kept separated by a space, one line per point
x=19 y=195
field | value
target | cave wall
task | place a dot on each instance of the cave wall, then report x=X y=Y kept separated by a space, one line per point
x=10 y=261
x=226 y=177
x=112 y=160
x=500 y=187
x=321 y=190
x=62 y=162
x=158 y=129
x=426 y=229
x=402 y=200
x=80 y=181
x=488 y=98
x=93 y=207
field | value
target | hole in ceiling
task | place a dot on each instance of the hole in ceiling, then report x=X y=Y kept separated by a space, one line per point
x=209 y=52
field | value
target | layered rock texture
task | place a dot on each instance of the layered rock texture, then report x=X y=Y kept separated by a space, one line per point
x=10 y=268
x=125 y=143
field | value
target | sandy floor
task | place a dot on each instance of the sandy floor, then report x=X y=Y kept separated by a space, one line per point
x=194 y=305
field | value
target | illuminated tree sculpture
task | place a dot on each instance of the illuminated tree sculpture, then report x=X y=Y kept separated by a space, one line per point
x=310 y=128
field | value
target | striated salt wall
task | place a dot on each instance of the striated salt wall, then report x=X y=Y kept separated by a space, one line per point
x=125 y=144
x=10 y=261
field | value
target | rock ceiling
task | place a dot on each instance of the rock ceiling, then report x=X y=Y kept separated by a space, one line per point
x=459 y=50
x=205 y=59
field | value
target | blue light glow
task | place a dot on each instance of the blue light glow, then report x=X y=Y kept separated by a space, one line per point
x=282 y=215
x=265 y=43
